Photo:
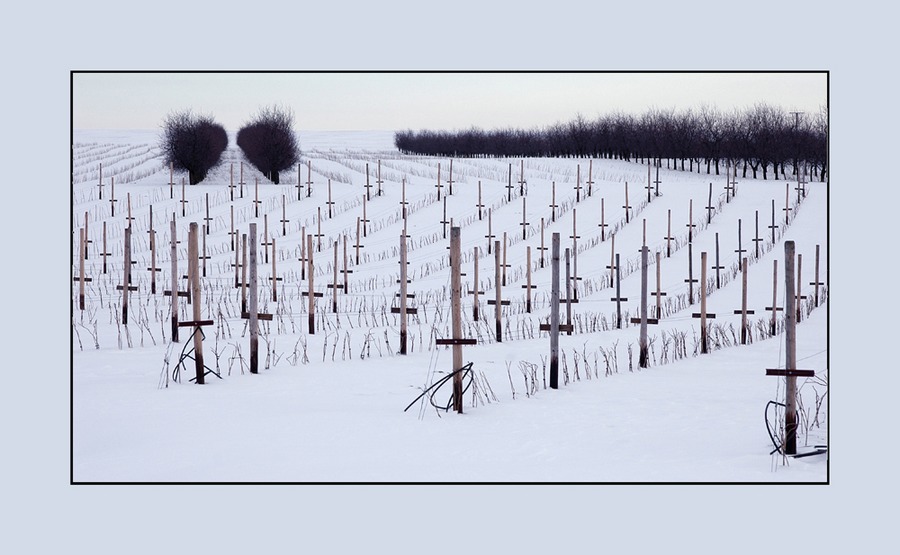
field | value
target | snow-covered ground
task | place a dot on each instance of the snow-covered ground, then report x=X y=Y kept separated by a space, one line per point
x=328 y=407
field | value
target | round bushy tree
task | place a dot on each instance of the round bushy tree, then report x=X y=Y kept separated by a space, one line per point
x=193 y=143
x=269 y=142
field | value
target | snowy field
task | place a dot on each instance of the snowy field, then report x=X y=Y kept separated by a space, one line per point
x=329 y=406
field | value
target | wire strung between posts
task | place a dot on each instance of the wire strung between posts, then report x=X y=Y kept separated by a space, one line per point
x=435 y=387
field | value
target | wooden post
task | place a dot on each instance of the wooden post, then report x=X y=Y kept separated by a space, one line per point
x=627 y=206
x=787 y=203
x=265 y=242
x=334 y=280
x=445 y=221
x=309 y=180
x=299 y=181
x=479 y=206
x=774 y=308
x=575 y=237
x=403 y=296
x=602 y=219
x=690 y=224
x=438 y=186
x=244 y=264
x=203 y=256
x=718 y=266
x=284 y=219
x=195 y=293
x=790 y=323
x=773 y=227
x=231 y=182
x=330 y=202
x=505 y=265
x=183 y=199
x=256 y=197
x=703 y=315
x=254 y=308
x=756 y=238
x=475 y=292
x=669 y=237
x=554 y=312
x=709 y=206
x=649 y=186
x=509 y=187
x=365 y=218
x=81 y=277
x=528 y=286
x=174 y=292
x=455 y=307
x=403 y=202
x=690 y=280
x=569 y=298
x=379 y=181
x=578 y=184
x=644 y=356
x=743 y=311
x=346 y=269
x=237 y=266
x=618 y=298
x=740 y=250
x=84 y=247
x=126 y=286
x=590 y=181
x=817 y=283
x=112 y=196
x=497 y=293
x=799 y=286
x=129 y=219
x=312 y=294
x=553 y=202
x=542 y=248
x=207 y=219
x=319 y=234
x=490 y=235
x=358 y=245
x=171 y=180
x=521 y=177
x=100 y=184
x=612 y=261
x=232 y=233
x=658 y=293
x=274 y=277
x=153 y=269
x=524 y=223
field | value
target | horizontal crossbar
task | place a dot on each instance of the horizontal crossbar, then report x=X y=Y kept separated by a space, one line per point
x=700 y=315
x=260 y=316
x=786 y=372
x=649 y=320
x=456 y=342
x=196 y=323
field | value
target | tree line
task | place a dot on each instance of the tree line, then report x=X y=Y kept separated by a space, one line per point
x=765 y=140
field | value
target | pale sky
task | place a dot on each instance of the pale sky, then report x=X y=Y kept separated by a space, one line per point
x=395 y=101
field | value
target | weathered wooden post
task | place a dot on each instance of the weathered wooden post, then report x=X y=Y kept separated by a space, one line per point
x=703 y=315
x=284 y=220
x=299 y=181
x=232 y=234
x=602 y=224
x=521 y=177
x=87 y=241
x=627 y=206
x=256 y=201
x=196 y=323
x=774 y=308
x=365 y=219
x=100 y=183
x=379 y=182
x=403 y=202
x=330 y=203
x=619 y=299
x=309 y=181
x=243 y=265
x=475 y=292
x=403 y=309
x=569 y=297
x=787 y=203
x=773 y=227
x=658 y=293
x=669 y=237
x=643 y=344
x=554 y=312
x=358 y=244
x=174 y=293
x=312 y=294
x=231 y=184
x=81 y=278
x=112 y=196
x=274 y=277
x=184 y=200
x=207 y=219
x=509 y=187
x=578 y=184
x=237 y=267
x=253 y=316
x=553 y=205
x=574 y=237
x=690 y=279
x=740 y=250
x=590 y=180
x=444 y=221
x=334 y=285
x=319 y=234
x=265 y=242
x=204 y=257
x=438 y=185
x=126 y=286
x=542 y=248
x=718 y=265
x=524 y=223
x=743 y=311
x=756 y=238
x=709 y=206
x=612 y=261
x=817 y=283
x=496 y=301
x=346 y=269
x=690 y=224
x=505 y=265
x=528 y=286
x=489 y=235
x=480 y=205
x=799 y=286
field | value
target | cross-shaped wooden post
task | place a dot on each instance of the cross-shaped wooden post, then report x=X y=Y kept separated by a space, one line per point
x=231 y=185
x=627 y=206
x=787 y=203
x=756 y=238
x=496 y=301
x=244 y=264
x=438 y=184
x=817 y=283
x=365 y=219
x=669 y=238
x=299 y=181
x=207 y=219
x=126 y=280
x=330 y=203
x=174 y=292
x=253 y=315
x=590 y=180
x=479 y=206
x=575 y=237
x=570 y=298
x=265 y=242
x=528 y=286
x=445 y=221
x=309 y=181
x=509 y=186
x=112 y=196
x=184 y=200
x=129 y=219
x=690 y=224
x=311 y=294
x=612 y=261
x=618 y=299
x=542 y=248
x=554 y=326
x=643 y=320
x=799 y=297
x=196 y=323
x=284 y=220
x=358 y=244
x=553 y=205
x=81 y=278
x=104 y=254
x=274 y=278
x=379 y=181
x=505 y=265
x=171 y=180
x=404 y=297
x=690 y=280
x=709 y=206
x=718 y=265
x=489 y=235
x=659 y=294
x=403 y=202
x=334 y=285
x=743 y=311
x=87 y=241
x=602 y=223
x=319 y=234
x=656 y=182
x=237 y=265
x=521 y=177
x=578 y=183
x=256 y=201
x=100 y=183
x=346 y=270
x=773 y=227
x=740 y=250
x=232 y=234
x=703 y=315
x=524 y=223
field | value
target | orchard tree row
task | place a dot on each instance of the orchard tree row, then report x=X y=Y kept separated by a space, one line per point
x=763 y=138
x=195 y=143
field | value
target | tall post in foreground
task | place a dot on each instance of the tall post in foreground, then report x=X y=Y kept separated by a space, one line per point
x=790 y=324
x=497 y=289
x=174 y=291
x=193 y=258
x=554 y=312
x=455 y=293
x=643 y=358
x=254 y=310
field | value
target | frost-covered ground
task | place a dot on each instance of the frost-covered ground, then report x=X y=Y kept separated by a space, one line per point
x=328 y=407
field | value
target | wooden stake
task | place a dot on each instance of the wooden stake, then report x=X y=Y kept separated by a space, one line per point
x=505 y=265
x=542 y=248
x=743 y=311
x=183 y=200
x=790 y=323
x=455 y=307
x=817 y=283
x=569 y=298
x=379 y=181
x=330 y=202
x=195 y=293
x=403 y=295
x=284 y=219
x=528 y=286
x=553 y=202
x=207 y=219
x=232 y=233
x=256 y=197
x=718 y=266
x=690 y=224
x=334 y=280
x=602 y=219
x=521 y=177
x=496 y=301
x=174 y=292
x=575 y=237
x=774 y=308
x=243 y=265
x=524 y=223
x=669 y=237
x=309 y=181
x=756 y=238
x=438 y=186
x=644 y=356
x=253 y=315
x=475 y=292
x=346 y=269
x=658 y=293
x=690 y=280
x=490 y=235
x=590 y=181
x=112 y=197
x=479 y=206
x=709 y=207
x=773 y=227
x=100 y=184
x=274 y=277
x=627 y=206
x=554 y=312
x=703 y=315
x=618 y=298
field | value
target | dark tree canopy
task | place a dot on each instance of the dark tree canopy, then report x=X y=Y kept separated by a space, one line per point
x=192 y=143
x=762 y=138
x=269 y=142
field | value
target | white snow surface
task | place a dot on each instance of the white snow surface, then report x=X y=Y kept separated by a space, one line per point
x=337 y=415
